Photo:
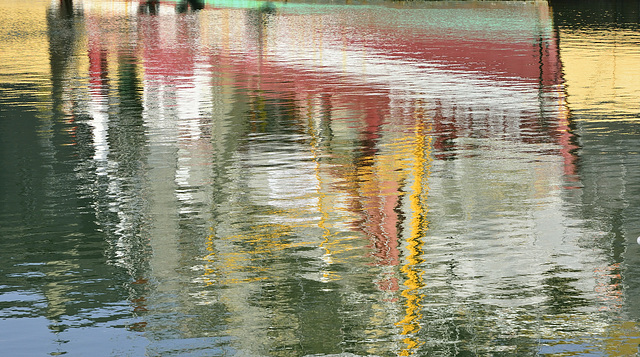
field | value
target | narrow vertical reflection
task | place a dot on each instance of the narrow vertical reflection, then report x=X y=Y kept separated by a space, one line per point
x=149 y=7
x=60 y=142
x=325 y=204
x=186 y=5
x=66 y=8
x=554 y=85
x=127 y=137
x=412 y=270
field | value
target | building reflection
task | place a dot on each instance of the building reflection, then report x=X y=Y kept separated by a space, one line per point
x=64 y=130
x=57 y=255
x=256 y=188
x=608 y=143
x=382 y=162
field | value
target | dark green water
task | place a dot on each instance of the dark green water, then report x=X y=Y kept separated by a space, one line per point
x=319 y=178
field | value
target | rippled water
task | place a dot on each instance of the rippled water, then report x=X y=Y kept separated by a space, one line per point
x=319 y=178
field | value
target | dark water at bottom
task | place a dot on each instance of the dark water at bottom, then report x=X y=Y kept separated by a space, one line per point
x=319 y=179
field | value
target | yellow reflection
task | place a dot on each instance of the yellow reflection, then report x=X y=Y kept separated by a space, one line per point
x=24 y=50
x=623 y=339
x=235 y=257
x=264 y=239
x=601 y=72
x=419 y=225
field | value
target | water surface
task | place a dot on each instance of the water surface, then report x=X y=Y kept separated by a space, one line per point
x=319 y=178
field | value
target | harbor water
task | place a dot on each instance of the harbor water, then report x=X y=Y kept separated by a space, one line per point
x=319 y=178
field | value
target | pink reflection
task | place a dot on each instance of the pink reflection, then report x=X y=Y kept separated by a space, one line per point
x=479 y=82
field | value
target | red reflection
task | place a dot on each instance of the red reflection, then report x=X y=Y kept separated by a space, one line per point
x=168 y=52
x=525 y=64
x=138 y=326
x=608 y=287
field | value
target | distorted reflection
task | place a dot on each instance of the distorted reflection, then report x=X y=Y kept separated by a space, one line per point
x=303 y=179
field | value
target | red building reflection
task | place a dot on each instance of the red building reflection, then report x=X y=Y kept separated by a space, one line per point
x=478 y=79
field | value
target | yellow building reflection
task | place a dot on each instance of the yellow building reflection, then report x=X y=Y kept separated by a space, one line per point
x=601 y=72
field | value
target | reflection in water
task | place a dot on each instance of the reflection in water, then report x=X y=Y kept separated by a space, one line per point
x=602 y=88
x=186 y=5
x=290 y=179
